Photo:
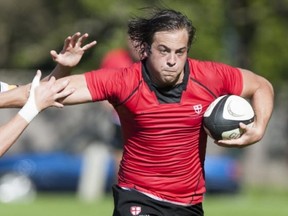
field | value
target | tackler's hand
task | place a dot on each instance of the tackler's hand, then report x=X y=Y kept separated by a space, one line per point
x=43 y=95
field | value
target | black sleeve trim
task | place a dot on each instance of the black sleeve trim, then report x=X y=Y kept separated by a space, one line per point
x=129 y=96
x=205 y=87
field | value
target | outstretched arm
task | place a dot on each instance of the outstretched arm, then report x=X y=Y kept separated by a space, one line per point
x=81 y=92
x=42 y=95
x=15 y=97
x=261 y=94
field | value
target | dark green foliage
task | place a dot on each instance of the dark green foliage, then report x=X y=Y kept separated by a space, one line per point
x=244 y=33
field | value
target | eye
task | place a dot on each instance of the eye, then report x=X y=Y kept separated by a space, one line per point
x=181 y=52
x=163 y=51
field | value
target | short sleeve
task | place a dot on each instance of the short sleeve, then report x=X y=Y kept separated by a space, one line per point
x=102 y=83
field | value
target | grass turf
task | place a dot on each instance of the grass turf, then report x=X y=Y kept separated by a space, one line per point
x=253 y=202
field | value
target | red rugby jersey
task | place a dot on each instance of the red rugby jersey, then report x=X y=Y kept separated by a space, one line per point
x=165 y=143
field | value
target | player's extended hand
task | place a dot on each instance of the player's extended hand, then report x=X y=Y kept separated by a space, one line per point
x=48 y=93
x=251 y=135
x=72 y=51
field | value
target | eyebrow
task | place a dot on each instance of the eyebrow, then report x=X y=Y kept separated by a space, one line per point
x=177 y=50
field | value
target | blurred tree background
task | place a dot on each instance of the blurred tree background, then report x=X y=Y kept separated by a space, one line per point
x=245 y=33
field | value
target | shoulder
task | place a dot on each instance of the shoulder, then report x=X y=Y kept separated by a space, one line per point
x=220 y=77
x=113 y=74
x=212 y=69
x=113 y=83
x=210 y=65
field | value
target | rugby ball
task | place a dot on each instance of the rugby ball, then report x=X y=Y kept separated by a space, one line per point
x=222 y=117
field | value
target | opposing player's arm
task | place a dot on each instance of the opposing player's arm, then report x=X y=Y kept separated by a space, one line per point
x=42 y=95
x=15 y=97
x=260 y=92
x=10 y=132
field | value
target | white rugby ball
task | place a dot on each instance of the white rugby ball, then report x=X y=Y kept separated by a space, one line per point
x=222 y=117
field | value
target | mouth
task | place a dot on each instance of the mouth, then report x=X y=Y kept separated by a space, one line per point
x=170 y=71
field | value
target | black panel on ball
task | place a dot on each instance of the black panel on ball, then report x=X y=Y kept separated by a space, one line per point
x=216 y=124
x=212 y=122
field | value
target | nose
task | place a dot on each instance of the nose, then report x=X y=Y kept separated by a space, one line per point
x=171 y=61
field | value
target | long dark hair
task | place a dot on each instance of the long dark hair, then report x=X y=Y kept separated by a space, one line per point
x=141 y=30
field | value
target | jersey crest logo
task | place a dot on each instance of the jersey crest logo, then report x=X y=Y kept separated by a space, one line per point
x=135 y=210
x=198 y=108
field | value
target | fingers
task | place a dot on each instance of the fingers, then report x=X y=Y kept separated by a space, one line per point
x=37 y=77
x=73 y=42
x=81 y=40
x=229 y=143
x=75 y=39
x=243 y=126
x=36 y=80
x=67 y=42
x=51 y=92
x=88 y=46
x=59 y=86
x=60 y=89
x=53 y=54
x=64 y=94
x=226 y=145
x=78 y=39
x=61 y=95
x=58 y=105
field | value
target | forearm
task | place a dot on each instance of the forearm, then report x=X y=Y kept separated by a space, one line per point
x=14 y=98
x=59 y=72
x=10 y=132
x=81 y=93
x=262 y=101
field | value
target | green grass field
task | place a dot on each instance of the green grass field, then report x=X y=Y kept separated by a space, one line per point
x=255 y=202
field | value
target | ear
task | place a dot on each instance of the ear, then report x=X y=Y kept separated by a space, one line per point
x=146 y=49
